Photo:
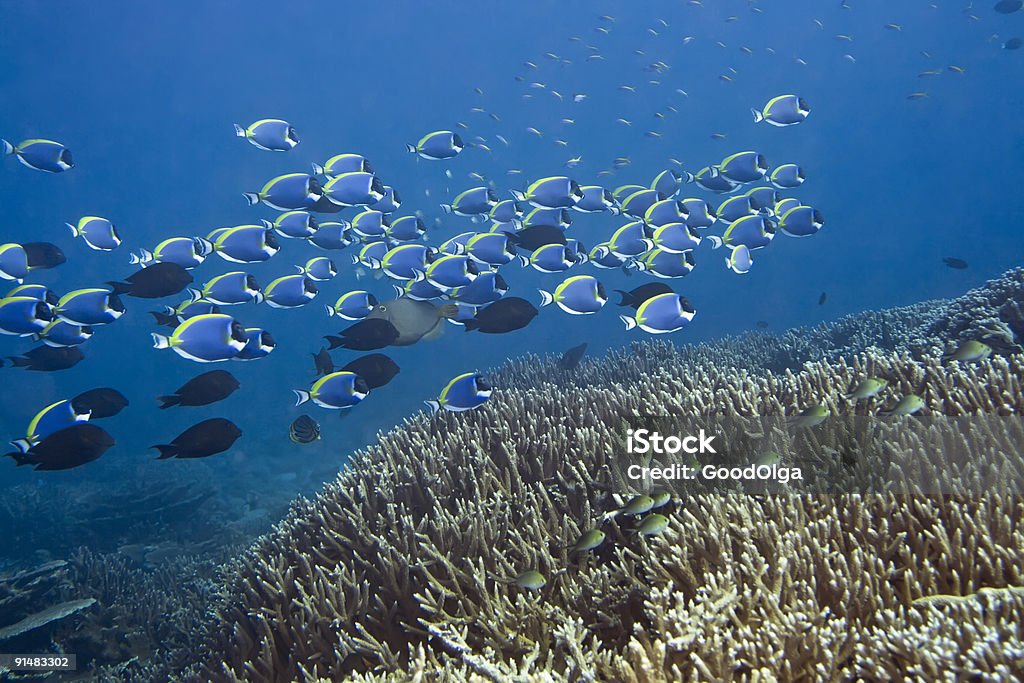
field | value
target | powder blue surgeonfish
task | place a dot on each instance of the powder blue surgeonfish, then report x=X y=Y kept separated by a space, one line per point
x=187 y=252
x=343 y=163
x=577 y=295
x=207 y=338
x=739 y=260
x=441 y=144
x=801 y=221
x=661 y=314
x=24 y=316
x=97 y=233
x=290 y=291
x=712 y=180
x=60 y=334
x=356 y=188
x=50 y=420
x=787 y=176
x=336 y=390
x=754 y=232
x=288 y=192
x=247 y=244
x=676 y=238
x=784 y=110
x=744 y=167
x=596 y=199
x=293 y=225
x=229 y=289
x=354 y=305
x=42 y=155
x=319 y=269
x=89 y=307
x=272 y=135
x=475 y=201
x=554 y=192
x=259 y=344
x=465 y=392
x=13 y=262
x=405 y=229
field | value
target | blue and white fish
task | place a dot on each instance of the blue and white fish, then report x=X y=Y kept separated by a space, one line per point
x=259 y=345
x=354 y=305
x=389 y=203
x=661 y=314
x=578 y=295
x=319 y=269
x=699 y=213
x=89 y=307
x=754 y=232
x=205 y=338
x=62 y=334
x=24 y=316
x=332 y=236
x=712 y=180
x=637 y=204
x=801 y=221
x=667 y=183
x=247 y=244
x=441 y=144
x=739 y=260
x=41 y=155
x=485 y=289
x=290 y=291
x=449 y=272
x=491 y=248
x=336 y=390
x=229 y=289
x=405 y=229
x=744 y=167
x=356 y=188
x=735 y=208
x=675 y=238
x=294 y=225
x=784 y=110
x=631 y=240
x=787 y=177
x=475 y=201
x=187 y=252
x=272 y=135
x=665 y=264
x=343 y=163
x=407 y=261
x=97 y=233
x=554 y=192
x=596 y=199
x=290 y=192
x=666 y=211
x=467 y=391
x=13 y=262
x=50 y=420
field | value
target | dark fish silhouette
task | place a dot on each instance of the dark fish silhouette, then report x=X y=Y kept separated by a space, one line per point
x=956 y=263
x=155 y=281
x=376 y=369
x=202 y=440
x=823 y=298
x=304 y=430
x=323 y=362
x=1013 y=44
x=535 y=237
x=365 y=335
x=571 y=358
x=67 y=448
x=504 y=315
x=1008 y=6
x=202 y=390
x=762 y=324
x=48 y=358
x=635 y=297
x=43 y=255
x=100 y=403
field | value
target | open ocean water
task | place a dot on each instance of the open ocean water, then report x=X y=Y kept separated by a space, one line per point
x=911 y=153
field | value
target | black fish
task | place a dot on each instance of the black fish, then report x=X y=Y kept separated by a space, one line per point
x=48 y=358
x=1008 y=6
x=154 y=281
x=762 y=324
x=201 y=440
x=304 y=430
x=571 y=358
x=535 y=237
x=43 y=255
x=504 y=315
x=67 y=448
x=165 y=319
x=323 y=361
x=635 y=297
x=1013 y=44
x=823 y=298
x=202 y=390
x=366 y=335
x=376 y=369
x=957 y=263
x=100 y=403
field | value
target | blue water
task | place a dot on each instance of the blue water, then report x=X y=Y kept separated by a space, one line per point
x=145 y=94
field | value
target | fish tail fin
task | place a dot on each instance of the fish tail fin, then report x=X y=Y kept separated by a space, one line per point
x=688 y=177
x=447 y=208
x=168 y=401
x=164 y=319
x=398 y=290
x=523 y=261
x=259 y=297
x=434 y=406
x=74 y=230
x=318 y=169
x=411 y=149
x=141 y=258
x=204 y=244
x=19 y=362
x=239 y=131
x=251 y=197
x=629 y=322
x=22 y=445
x=626 y=298
x=330 y=310
x=120 y=287
x=300 y=396
x=19 y=458
x=518 y=195
x=8 y=147
x=546 y=298
x=758 y=116
x=716 y=241
x=334 y=342
x=471 y=324
x=161 y=341
x=166 y=451
x=266 y=224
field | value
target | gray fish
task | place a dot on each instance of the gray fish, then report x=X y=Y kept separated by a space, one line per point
x=571 y=358
x=414 y=320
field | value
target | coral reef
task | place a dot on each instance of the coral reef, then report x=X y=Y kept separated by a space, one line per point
x=405 y=567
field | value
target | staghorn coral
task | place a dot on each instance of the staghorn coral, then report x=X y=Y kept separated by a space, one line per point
x=402 y=565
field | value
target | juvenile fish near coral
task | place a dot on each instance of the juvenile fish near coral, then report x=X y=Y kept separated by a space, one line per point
x=908 y=405
x=867 y=388
x=969 y=352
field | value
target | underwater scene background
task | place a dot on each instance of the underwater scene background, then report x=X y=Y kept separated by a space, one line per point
x=911 y=154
